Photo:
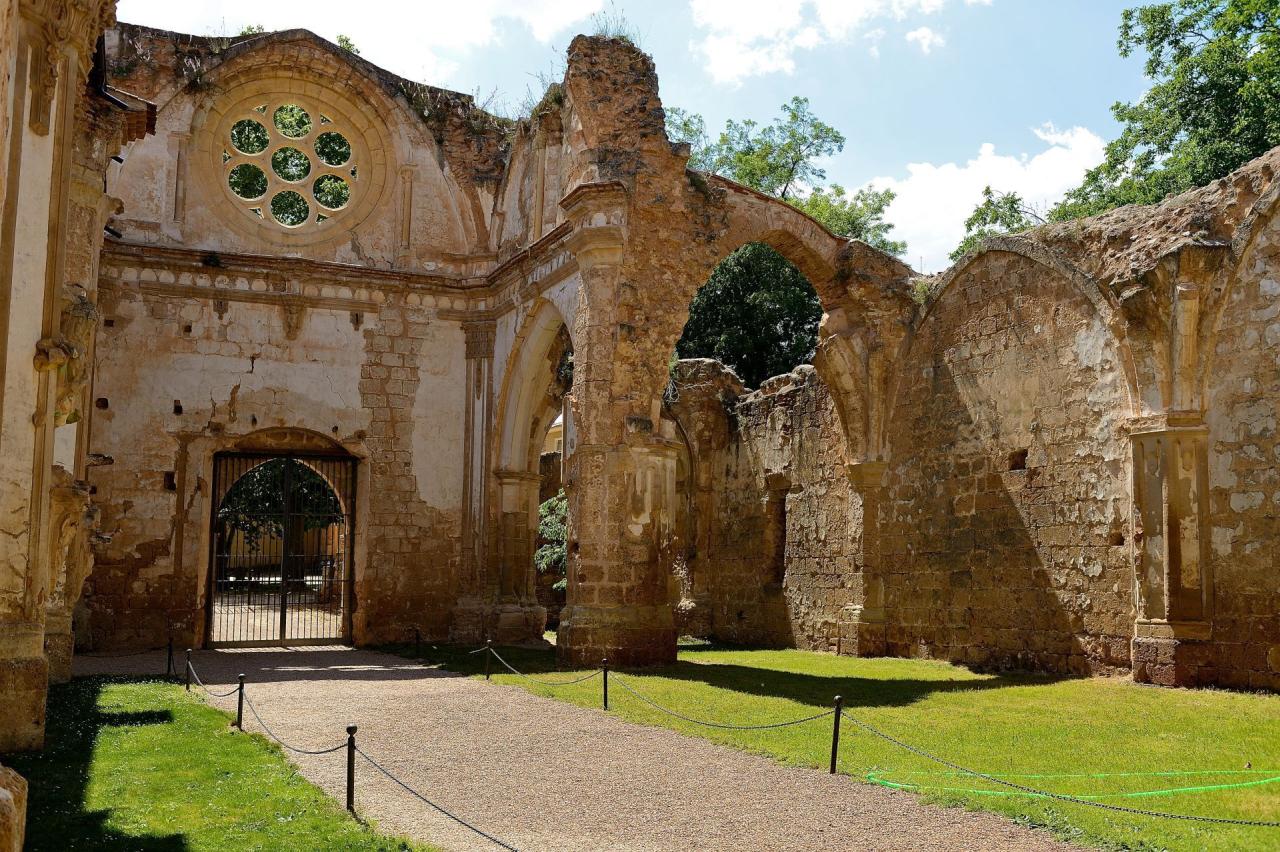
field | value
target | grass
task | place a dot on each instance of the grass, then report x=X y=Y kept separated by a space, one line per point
x=135 y=764
x=1067 y=735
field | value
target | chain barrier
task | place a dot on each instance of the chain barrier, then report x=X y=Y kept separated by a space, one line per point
x=1061 y=797
x=283 y=744
x=511 y=669
x=202 y=685
x=656 y=706
x=1088 y=801
x=459 y=820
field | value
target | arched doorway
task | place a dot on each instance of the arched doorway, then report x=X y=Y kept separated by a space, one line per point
x=535 y=399
x=281 y=540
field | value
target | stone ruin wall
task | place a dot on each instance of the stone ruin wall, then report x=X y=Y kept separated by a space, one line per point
x=1009 y=535
x=1005 y=533
x=181 y=377
x=778 y=530
x=1244 y=452
x=1006 y=512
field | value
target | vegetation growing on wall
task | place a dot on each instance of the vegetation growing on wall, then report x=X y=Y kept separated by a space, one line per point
x=998 y=213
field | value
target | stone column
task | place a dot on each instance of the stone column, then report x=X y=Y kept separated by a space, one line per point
x=50 y=47
x=471 y=611
x=517 y=615
x=862 y=624
x=1173 y=583
x=72 y=522
x=617 y=605
x=13 y=810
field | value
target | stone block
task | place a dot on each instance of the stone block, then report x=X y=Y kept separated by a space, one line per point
x=13 y=810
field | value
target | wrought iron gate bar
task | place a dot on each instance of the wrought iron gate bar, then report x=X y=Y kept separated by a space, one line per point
x=280 y=549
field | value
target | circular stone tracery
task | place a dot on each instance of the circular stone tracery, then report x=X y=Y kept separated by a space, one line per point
x=290 y=164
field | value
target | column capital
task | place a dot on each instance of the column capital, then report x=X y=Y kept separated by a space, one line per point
x=1181 y=422
x=61 y=26
x=598 y=212
x=479 y=336
x=866 y=474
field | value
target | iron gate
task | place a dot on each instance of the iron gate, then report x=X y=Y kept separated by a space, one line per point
x=280 y=568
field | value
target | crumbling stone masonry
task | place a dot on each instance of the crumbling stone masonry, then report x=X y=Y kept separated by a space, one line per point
x=1064 y=459
x=984 y=478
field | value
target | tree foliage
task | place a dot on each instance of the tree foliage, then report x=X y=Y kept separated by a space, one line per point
x=553 y=529
x=347 y=44
x=997 y=213
x=758 y=313
x=256 y=503
x=1214 y=102
x=859 y=216
x=781 y=160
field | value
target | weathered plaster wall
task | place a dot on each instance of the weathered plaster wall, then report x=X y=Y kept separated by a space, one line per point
x=1006 y=516
x=1003 y=533
x=427 y=162
x=181 y=377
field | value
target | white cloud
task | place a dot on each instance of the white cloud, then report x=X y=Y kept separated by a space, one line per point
x=933 y=200
x=423 y=43
x=744 y=38
x=926 y=39
x=874 y=37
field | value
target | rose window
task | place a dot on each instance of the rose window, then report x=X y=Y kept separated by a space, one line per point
x=290 y=164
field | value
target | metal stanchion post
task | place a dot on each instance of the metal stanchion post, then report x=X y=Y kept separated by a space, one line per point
x=188 y=670
x=240 y=705
x=835 y=734
x=604 y=669
x=488 y=652
x=417 y=644
x=168 y=662
x=351 y=768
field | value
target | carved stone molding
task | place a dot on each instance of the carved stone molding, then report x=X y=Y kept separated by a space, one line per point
x=61 y=25
x=479 y=338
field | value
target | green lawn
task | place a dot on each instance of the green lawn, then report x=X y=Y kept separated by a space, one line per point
x=143 y=765
x=1092 y=737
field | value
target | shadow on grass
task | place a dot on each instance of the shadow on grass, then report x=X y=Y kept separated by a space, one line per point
x=811 y=689
x=57 y=814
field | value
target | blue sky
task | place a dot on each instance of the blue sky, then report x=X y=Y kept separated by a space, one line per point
x=936 y=98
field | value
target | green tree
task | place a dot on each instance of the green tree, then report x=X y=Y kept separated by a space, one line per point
x=997 y=213
x=1214 y=102
x=778 y=159
x=346 y=43
x=758 y=313
x=553 y=528
x=253 y=29
x=255 y=504
x=859 y=216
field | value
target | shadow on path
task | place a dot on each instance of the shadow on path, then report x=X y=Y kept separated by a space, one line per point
x=812 y=689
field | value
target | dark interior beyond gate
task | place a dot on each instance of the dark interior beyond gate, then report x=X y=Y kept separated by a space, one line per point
x=281 y=541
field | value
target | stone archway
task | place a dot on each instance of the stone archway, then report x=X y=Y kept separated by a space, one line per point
x=639 y=276
x=534 y=391
x=281 y=540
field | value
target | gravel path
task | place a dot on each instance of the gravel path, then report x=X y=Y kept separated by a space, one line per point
x=545 y=775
